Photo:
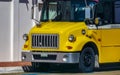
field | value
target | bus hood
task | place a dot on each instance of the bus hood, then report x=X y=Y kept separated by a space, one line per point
x=58 y=27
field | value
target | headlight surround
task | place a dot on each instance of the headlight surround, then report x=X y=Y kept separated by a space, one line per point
x=71 y=38
x=25 y=37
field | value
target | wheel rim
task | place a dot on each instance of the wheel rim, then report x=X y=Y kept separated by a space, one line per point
x=87 y=58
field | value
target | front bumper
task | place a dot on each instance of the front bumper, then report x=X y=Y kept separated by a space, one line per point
x=50 y=57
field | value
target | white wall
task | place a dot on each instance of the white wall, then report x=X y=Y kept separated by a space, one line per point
x=5 y=23
x=25 y=21
x=15 y=20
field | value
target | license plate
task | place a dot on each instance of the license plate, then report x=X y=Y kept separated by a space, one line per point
x=44 y=55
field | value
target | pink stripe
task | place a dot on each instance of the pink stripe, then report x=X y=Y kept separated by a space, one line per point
x=96 y=0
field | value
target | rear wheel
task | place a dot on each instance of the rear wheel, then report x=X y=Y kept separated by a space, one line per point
x=87 y=60
x=36 y=67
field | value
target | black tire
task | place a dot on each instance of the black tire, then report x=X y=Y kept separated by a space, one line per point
x=27 y=68
x=36 y=67
x=33 y=68
x=87 y=60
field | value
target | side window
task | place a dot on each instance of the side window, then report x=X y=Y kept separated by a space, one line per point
x=105 y=12
x=99 y=11
x=79 y=12
x=52 y=10
x=117 y=12
x=108 y=12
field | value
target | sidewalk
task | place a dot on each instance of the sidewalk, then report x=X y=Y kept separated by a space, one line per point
x=10 y=70
x=12 y=67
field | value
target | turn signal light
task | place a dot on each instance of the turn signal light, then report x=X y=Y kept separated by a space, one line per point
x=25 y=46
x=69 y=47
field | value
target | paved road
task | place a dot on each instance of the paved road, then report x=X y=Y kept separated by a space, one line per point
x=117 y=72
x=69 y=71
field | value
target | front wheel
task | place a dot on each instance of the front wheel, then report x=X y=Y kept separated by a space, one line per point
x=87 y=60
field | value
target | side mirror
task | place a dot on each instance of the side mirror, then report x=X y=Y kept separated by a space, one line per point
x=35 y=12
x=87 y=12
x=98 y=21
x=40 y=6
x=89 y=21
x=32 y=12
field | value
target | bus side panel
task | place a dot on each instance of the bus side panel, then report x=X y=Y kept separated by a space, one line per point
x=110 y=54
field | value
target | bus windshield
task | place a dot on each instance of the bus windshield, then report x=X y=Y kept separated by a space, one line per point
x=64 y=10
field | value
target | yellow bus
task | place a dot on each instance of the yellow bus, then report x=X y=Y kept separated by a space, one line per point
x=82 y=32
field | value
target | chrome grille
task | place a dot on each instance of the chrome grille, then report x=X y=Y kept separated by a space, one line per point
x=45 y=40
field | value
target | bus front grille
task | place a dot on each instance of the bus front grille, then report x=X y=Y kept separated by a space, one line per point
x=45 y=40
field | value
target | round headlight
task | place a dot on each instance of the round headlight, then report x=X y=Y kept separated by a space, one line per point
x=71 y=38
x=25 y=37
